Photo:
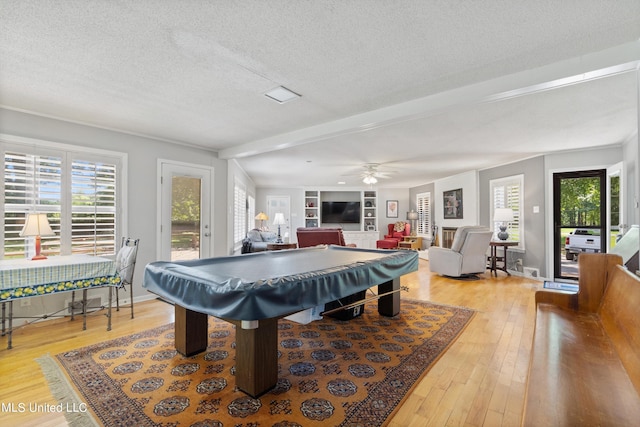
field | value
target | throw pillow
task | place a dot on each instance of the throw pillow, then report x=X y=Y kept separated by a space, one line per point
x=399 y=226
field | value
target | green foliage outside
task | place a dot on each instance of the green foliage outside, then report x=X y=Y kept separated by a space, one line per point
x=185 y=213
x=186 y=200
x=580 y=202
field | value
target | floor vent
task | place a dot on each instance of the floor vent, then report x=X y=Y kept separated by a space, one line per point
x=93 y=304
x=531 y=272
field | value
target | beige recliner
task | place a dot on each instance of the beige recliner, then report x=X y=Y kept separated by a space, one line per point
x=468 y=253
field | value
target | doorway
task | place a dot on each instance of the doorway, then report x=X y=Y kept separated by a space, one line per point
x=579 y=217
x=280 y=204
x=185 y=212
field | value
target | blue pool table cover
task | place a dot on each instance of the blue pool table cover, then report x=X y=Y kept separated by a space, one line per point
x=271 y=284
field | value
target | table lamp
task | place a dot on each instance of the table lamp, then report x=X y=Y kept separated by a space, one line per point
x=412 y=216
x=262 y=217
x=279 y=220
x=37 y=225
x=503 y=215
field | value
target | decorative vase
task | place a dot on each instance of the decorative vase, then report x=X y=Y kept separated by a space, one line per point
x=503 y=235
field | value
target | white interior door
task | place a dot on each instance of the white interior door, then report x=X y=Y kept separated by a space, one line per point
x=185 y=212
x=280 y=204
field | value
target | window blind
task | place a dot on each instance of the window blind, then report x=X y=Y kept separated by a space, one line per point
x=423 y=207
x=508 y=193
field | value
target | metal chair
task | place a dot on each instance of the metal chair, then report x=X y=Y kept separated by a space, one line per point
x=125 y=266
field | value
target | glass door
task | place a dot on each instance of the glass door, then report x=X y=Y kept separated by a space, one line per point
x=579 y=216
x=185 y=212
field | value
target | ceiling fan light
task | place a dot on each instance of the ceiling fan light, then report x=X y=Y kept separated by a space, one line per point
x=369 y=179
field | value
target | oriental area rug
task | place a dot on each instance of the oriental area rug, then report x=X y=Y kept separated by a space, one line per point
x=331 y=372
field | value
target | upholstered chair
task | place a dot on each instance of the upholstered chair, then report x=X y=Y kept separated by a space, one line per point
x=467 y=256
x=396 y=233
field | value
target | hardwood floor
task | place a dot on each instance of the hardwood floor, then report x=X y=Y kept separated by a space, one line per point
x=479 y=381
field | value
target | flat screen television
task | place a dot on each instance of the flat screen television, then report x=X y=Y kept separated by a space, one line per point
x=340 y=212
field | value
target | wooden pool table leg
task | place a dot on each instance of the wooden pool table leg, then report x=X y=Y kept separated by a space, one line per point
x=389 y=305
x=191 y=330
x=257 y=357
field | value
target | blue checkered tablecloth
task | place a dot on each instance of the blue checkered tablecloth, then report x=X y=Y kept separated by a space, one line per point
x=20 y=278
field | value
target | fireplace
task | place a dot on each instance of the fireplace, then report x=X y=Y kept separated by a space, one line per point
x=447 y=236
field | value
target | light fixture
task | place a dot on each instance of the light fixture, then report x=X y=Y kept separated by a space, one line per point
x=37 y=225
x=369 y=179
x=262 y=217
x=281 y=95
x=503 y=215
x=279 y=220
x=412 y=216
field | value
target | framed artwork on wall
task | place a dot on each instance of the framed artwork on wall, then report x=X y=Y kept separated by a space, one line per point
x=392 y=209
x=452 y=202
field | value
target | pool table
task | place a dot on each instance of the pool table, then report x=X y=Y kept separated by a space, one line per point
x=254 y=290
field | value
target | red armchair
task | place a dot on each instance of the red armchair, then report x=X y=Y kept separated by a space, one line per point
x=395 y=234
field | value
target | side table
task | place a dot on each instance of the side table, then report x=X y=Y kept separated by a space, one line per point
x=411 y=242
x=494 y=258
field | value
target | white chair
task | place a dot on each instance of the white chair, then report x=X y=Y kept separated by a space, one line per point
x=467 y=256
x=125 y=266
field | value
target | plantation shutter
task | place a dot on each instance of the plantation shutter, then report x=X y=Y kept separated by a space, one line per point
x=31 y=184
x=239 y=212
x=508 y=193
x=93 y=207
x=423 y=207
x=251 y=214
x=77 y=190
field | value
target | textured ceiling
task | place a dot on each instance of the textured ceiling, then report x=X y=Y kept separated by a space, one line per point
x=402 y=83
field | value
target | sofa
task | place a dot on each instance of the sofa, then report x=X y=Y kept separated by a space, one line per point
x=467 y=255
x=257 y=240
x=396 y=233
x=313 y=236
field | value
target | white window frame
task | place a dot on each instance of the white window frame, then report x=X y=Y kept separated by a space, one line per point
x=67 y=155
x=423 y=207
x=509 y=199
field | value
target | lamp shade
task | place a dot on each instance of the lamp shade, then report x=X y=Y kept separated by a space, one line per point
x=503 y=215
x=412 y=215
x=262 y=217
x=279 y=219
x=36 y=224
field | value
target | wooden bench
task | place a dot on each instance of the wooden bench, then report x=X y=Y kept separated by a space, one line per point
x=585 y=359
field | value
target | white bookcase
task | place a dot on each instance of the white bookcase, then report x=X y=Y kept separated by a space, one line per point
x=369 y=211
x=311 y=208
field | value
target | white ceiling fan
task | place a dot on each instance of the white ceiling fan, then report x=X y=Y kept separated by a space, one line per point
x=371 y=173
